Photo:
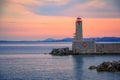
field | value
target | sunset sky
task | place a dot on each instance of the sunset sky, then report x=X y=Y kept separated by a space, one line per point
x=41 y=19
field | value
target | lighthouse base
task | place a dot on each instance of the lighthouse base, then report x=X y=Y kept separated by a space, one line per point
x=83 y=47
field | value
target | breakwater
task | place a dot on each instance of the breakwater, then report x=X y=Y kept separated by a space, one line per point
x=67 y=51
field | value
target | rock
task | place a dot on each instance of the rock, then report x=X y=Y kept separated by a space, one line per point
x=113 y=66
x=104 y=66
x=60 y=51
x=92 y=67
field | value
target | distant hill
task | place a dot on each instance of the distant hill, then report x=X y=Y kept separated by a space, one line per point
x=49 y=40
x=103 y=39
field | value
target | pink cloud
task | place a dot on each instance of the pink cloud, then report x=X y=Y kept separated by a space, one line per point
x=40 y=2
x=92 y=8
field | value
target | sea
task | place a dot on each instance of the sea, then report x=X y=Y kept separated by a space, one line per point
x=31 y=61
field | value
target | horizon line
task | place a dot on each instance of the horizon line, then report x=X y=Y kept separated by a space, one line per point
x=60 y=39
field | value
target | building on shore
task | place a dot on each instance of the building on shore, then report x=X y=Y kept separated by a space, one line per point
x=81 y=46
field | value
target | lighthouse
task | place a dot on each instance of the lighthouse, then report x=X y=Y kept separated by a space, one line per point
x=78 y=34
x=79 y=46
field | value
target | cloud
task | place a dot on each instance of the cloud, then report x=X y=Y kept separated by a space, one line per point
x=117 y=4
x=34 y=2
x=92 y=8
x=40 y=2
x=55 y=2
x=15 y=9
x=84 y=8
x=18 y=8
x=95 y=4
x=2 y=4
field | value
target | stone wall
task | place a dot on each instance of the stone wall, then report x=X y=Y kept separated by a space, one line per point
x=83 y=47
x=107 y=47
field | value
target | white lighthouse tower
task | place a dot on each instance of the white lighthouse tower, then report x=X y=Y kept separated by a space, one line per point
x=79 y=46
x=78 y=34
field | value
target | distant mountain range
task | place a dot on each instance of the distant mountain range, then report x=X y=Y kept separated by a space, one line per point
x=103 y=39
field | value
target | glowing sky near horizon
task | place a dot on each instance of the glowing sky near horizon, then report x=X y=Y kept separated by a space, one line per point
x=40 y=19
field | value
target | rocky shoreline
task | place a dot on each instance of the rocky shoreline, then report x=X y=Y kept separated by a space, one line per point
x=109 y=66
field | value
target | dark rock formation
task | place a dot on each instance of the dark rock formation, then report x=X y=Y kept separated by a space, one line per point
x=61 y=51
x=113 y=66
x=92 y=67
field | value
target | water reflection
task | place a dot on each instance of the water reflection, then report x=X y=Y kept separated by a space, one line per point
x=78 y=67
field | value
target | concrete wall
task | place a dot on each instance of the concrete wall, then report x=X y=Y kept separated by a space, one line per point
x=107 y=47
x=84 y=47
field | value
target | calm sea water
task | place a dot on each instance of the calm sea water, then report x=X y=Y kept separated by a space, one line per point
x=26 y=62
x=33 y=48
